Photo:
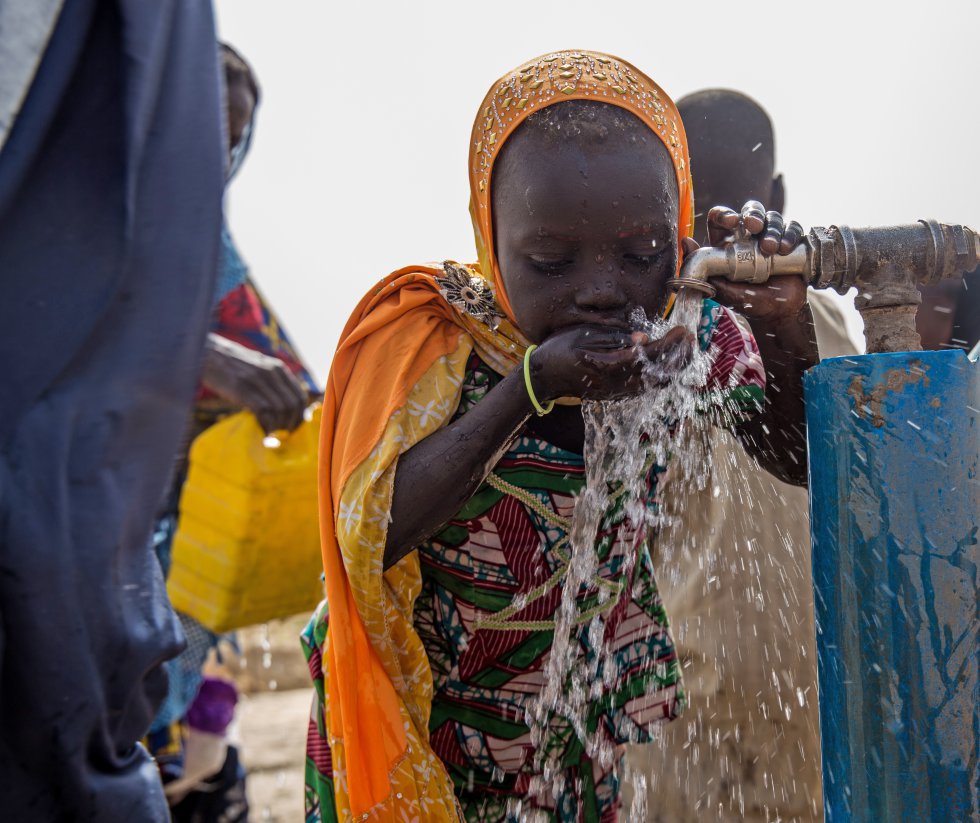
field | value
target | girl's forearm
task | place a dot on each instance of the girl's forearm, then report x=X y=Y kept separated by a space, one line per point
x=440 y=473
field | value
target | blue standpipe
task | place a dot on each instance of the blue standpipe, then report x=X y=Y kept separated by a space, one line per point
x=894 y=443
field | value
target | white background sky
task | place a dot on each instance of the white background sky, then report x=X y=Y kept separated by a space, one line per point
x=358 y=165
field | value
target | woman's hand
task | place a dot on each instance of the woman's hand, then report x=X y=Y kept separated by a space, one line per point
x=781 y=299
x=605 y=363
x=254 y=381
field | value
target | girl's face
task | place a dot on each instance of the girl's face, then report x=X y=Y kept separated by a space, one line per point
x=584 y=233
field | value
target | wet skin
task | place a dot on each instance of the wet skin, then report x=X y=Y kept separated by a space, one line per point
x=584 y=235
x=574 y=232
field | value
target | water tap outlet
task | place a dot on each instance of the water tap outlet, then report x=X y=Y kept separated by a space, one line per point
x=884 y=263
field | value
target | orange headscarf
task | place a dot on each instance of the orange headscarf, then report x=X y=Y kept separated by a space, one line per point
x=554 y=78
x=406 y=334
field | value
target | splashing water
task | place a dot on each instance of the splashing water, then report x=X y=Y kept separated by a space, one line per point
x=624 y=439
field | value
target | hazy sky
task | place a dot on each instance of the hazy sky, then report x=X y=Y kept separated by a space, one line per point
x=358 y=165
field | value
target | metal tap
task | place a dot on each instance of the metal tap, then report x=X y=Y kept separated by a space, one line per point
x=884 y=263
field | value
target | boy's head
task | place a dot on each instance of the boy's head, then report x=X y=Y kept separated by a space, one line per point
x=730 y=138
x=241 y=92
x=585 y=217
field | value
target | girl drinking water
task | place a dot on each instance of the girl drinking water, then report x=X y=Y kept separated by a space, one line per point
x=452 y=453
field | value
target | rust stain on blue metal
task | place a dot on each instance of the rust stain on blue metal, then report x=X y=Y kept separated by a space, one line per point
x=895 y=501
x=869 y=404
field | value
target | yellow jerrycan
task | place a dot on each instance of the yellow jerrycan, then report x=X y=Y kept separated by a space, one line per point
x=247 y=547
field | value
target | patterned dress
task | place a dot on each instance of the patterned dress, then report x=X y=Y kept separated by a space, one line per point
x=491 y=587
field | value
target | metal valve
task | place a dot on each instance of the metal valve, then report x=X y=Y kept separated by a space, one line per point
x=884 y=263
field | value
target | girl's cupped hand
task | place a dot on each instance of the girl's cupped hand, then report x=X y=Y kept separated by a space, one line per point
x=605 y=363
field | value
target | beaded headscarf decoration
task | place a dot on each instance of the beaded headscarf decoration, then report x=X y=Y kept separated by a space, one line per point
x=554 y=78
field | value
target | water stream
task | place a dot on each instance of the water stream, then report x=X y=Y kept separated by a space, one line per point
x=624 y=439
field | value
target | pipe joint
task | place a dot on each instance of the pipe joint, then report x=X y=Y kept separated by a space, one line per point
x=884 y=263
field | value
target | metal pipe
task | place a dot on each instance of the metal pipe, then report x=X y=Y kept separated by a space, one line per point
x=884 y=263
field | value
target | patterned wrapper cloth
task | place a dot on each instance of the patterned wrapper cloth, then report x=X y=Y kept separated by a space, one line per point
x=410 y=358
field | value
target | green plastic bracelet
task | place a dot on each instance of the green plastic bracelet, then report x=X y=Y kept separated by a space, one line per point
x=541 y=410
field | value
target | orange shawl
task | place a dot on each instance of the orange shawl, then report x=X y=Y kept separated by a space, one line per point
x=394 y=379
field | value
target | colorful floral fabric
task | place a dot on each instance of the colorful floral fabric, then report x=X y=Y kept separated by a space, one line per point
x=491 y=587
x=484 y=611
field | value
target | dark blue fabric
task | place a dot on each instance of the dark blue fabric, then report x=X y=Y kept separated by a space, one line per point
x=110 y=215
x=184 y=672
x=43 y=210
